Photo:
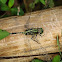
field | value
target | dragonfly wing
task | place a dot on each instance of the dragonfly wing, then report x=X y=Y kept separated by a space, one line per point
x=35 y=39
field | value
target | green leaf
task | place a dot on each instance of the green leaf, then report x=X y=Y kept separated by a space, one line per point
x=0 y=3
x=22 y=6
x=4 y=7
x=51 y=3
x=32 y=5
x=43 y=2
x=56 y=58
x=36 y=60
x=14 y=11
x=10 y=3
x=36 y=1
x=3 y=1
x=3 y=34
x=61 y=61
x=21 y=12
x=58 y=44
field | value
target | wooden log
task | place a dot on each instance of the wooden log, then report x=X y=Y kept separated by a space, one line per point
x=48 y=57
x=22 y=45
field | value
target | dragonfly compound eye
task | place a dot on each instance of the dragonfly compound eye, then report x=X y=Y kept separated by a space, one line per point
x=40 y=30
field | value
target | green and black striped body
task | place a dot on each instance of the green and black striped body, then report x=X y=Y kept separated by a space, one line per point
x=33 y=31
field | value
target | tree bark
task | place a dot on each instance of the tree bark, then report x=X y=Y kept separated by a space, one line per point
x=22 y=45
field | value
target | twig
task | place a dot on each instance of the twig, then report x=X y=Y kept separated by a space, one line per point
x=58 y=44
x=26 y=7
x=3 y=15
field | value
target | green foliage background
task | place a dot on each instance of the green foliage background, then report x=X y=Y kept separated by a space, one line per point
x=8 y=6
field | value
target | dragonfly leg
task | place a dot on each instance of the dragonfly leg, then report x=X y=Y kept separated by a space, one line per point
x=39 y=34
x=34 y=39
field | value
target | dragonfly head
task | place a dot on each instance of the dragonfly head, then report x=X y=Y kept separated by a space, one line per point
x=40 y=30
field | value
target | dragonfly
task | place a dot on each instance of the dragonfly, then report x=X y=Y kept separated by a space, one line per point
x=32 y=31
x=29 y=31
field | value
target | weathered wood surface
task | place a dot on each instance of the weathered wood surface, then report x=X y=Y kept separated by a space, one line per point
x=28 y=59
x=21 y=45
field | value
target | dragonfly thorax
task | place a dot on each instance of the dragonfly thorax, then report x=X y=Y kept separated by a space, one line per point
x=33 y=31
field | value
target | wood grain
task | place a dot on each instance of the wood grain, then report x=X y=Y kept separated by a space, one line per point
x=22 y=45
